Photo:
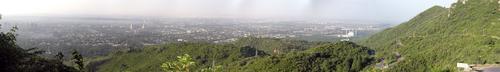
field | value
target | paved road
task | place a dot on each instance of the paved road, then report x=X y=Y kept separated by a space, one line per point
x=491 y=69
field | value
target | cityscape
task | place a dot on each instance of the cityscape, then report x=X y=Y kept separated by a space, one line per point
x=107 y=34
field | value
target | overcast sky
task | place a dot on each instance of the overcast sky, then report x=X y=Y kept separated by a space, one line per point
x=378 y=10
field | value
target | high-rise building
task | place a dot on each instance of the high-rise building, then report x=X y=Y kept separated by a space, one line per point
x=143 y=23
x=131 y=27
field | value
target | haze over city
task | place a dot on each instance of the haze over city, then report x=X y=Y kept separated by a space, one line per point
x=249 y=35
x=392 y=11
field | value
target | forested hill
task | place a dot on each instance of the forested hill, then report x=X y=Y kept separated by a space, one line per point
x=437 y=39
x=244 y=55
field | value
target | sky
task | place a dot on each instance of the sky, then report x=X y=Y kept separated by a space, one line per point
x=375 y=10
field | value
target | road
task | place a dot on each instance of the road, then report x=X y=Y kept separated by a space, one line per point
x=491 y=69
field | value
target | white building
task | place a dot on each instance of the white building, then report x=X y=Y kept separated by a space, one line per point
x=131 y=27
x=143 y=23
x=464 y=66
x=348 y=34
x=180 y=40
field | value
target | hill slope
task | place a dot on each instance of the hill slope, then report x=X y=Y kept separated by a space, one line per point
x=205 y=54
x=438 y=38
x=341 y=56
x=240 y=56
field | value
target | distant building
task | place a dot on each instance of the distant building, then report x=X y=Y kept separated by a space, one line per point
x=143 y=23
x=142 y=26
x=347 y=39
x=180 y=40
x=131 y=27
x=348 y=34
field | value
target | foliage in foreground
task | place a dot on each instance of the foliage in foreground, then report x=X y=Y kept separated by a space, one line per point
x=183 y=63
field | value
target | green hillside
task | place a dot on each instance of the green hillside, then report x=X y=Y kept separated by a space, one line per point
x=438 y=38
x=341 y=56
x=151 y=57
x=246 y=55
x=205 y=54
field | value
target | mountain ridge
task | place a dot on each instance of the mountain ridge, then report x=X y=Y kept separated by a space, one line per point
x=439 y=37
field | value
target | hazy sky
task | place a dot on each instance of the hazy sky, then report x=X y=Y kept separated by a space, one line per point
x=379 y=10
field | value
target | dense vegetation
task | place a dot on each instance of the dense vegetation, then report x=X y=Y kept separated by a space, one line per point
x=341 y=56
x=438 y=38
x=242 y=55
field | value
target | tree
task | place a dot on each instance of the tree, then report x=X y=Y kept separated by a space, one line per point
x=10 y=53
x=217 y=68
x=123 y=67
x=181 y=65
x=16 y=59
x=59 y=56
x=78 y=59
x=333 y=57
